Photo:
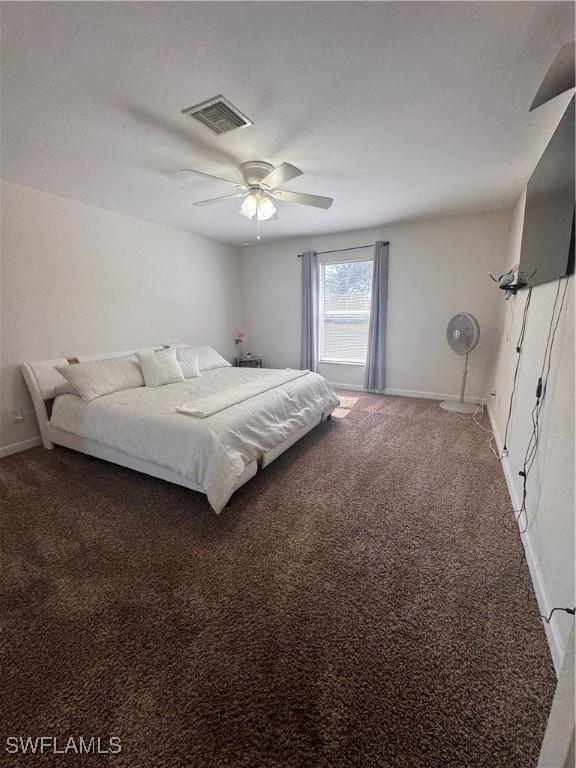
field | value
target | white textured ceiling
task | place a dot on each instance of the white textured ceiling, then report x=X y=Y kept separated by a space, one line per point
x=397 y=110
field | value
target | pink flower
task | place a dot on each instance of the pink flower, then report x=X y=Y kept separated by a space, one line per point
x=240 y=335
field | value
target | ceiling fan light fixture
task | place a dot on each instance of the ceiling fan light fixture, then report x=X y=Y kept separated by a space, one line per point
x=249 y=207
x=266 y=208
x=258 y=205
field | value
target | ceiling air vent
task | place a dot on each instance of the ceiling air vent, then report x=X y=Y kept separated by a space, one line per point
x=218 y=115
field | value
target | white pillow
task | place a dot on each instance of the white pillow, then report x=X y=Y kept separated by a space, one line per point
x=160 y=366
x=64 y=389
x=188 y=363
x=102 y=377
x=208 y=358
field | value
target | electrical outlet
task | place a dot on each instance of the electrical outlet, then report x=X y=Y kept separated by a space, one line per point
x=17 y=415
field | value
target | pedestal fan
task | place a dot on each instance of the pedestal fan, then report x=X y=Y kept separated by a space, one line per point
x=462 y=333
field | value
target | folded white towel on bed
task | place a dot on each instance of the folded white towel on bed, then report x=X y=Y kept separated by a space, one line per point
x=207 y=406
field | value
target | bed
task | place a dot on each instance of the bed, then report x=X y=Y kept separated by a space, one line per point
x=256 y=419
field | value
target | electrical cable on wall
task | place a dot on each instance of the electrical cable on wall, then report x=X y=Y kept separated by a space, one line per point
x=571 y=611
x=519 y=345
x=541 y=390
x=536 y=413
x=542 y=385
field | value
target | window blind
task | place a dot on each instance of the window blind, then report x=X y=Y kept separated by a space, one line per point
x=345 y=297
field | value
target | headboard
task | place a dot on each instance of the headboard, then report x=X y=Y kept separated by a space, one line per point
x=42 y=378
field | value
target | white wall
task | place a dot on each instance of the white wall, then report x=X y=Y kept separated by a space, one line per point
x=550 y=500
x=437 y=268
x=79 y=279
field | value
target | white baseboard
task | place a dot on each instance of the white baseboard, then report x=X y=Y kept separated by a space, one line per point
x=23 y=445
x=544 y=603
x=408 y=393
x=430 y=395
x=354 y=387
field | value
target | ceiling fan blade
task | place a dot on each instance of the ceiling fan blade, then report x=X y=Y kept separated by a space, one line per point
x=280 y=175
x=217 y=199
x=559 y=78
x=238 y=184
x=300 y=197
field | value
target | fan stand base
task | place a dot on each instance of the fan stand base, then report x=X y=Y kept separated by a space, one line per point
x=458 y=407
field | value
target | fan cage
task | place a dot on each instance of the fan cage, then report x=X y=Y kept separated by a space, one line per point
x=462 y=333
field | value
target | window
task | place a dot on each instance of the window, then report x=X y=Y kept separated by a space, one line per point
x=344 y=311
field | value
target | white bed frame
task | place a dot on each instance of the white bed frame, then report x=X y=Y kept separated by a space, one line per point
x=42 y=378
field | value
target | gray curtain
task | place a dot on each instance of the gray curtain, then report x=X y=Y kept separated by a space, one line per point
x=375 y=375
x=309 y=344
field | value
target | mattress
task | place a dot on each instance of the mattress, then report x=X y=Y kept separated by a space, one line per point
x=211 y=452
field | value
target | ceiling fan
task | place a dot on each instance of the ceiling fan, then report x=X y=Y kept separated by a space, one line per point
x=260 y=189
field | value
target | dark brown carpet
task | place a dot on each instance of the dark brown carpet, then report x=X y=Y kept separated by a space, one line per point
x=360 y=603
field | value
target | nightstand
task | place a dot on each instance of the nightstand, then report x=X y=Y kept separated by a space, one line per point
x=248 y=362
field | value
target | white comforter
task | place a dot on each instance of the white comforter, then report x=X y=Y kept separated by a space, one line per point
x=211 y=452
x=203 y=407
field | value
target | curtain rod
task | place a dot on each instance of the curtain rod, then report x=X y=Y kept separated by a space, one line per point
x=352 y=248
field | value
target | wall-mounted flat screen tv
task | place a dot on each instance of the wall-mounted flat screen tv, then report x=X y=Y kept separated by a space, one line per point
x=548 y=237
